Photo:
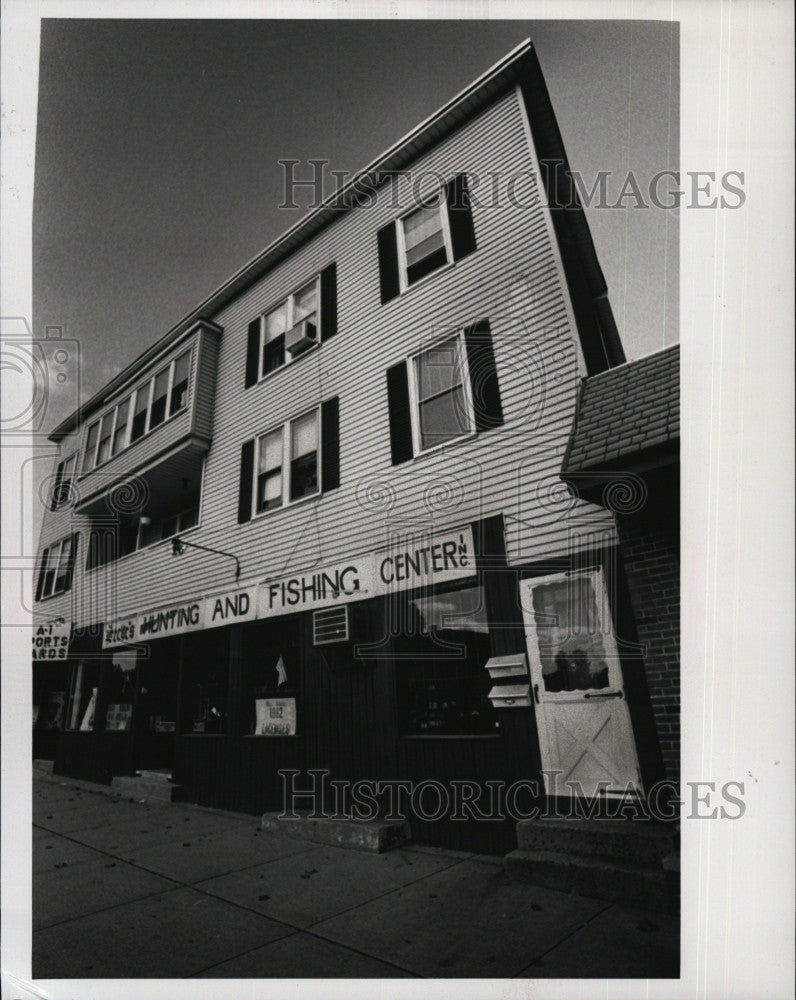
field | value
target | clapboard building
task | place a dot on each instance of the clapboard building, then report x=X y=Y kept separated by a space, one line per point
x=320 y=523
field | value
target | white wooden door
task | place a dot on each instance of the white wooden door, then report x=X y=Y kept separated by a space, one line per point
x=585 y=732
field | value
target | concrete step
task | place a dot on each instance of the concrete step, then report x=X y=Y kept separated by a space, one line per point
x=617 y=882
x=148 y=786
x=375 y=836
x=634 y=842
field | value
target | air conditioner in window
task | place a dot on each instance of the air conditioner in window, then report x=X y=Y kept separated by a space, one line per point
x=302 y=336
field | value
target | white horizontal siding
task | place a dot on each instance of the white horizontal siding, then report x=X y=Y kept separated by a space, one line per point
x=512 y=279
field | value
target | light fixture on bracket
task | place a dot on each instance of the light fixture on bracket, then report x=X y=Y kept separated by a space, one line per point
x=179 y=545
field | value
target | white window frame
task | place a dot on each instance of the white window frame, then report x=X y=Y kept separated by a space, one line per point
x=403 y=267
x=287 y=439
x=289 y=301
x=147 y=387
x=414 y=392
x=48 y=551
x=128 y=424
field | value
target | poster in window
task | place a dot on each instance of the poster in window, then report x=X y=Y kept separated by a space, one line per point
x=276 y=717
x=118 y=717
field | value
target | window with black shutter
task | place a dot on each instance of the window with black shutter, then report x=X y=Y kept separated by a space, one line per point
x=447 y=391
x=292 y=326
x=434 y=233
x=293 y=461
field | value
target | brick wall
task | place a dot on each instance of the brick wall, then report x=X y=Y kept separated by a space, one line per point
x=650 y=544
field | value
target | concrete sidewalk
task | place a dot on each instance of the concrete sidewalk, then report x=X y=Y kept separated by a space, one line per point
x=127 y=889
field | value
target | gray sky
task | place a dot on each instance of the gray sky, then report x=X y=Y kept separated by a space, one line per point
x=158 y=142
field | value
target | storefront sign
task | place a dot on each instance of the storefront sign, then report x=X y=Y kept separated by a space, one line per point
x=51 y=641
x=407 y=564
x=436 y=560
x=276 y=716
x=191 y=616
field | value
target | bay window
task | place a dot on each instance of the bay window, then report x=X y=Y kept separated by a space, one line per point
x=156 y=400
x=63 y=481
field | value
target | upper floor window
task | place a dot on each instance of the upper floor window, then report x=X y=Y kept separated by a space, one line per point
x=64 y=475
x=441 y=409
x=56 y=567
x=158 y=399
x=435 y=233
x=424 y=241
x=444 y=392
x=302 y=320
x=297 y=459
x=287 y=463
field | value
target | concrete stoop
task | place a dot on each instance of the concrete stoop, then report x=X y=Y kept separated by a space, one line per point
x=147 y=786
x=619 y=861
x=375 y=836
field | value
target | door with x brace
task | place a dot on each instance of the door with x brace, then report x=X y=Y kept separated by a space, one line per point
x=585 y=732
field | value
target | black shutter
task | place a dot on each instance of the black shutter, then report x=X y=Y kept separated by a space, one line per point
x=483 y=376
x=70 y=569
x=55 y=500
x=246 y=477
x=400 y=418
x=388 y=263
x=253 y=353
x=460 y=217
x=328 y=302
x=40 y=581
x=330 y=445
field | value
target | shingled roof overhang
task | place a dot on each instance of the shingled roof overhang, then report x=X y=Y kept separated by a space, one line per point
x=627 y=420
x=519 y=67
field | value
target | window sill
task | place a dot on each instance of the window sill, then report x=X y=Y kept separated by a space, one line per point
x=287 y=365
x=443 y=269
x=453 y=443
x=51 y=597
x=276 y=736
x=286 y=506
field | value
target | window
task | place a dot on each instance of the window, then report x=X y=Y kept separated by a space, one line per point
x=444 y=392
x=91 y=448
x=269 y=476
x=443 y=684
x=120 y=430
x=83 y=697
x=104 y=446
x=179 y=388
x=154 y=402
x=55 y=573
x=435 y=233
x=293 y=449
x=290 y=327
x=64 y=475
x=424 y=241
x=304 y=456
x=205 y=682
x=442 y=410
x=157 y=413
x=106 y=545
x=300 y=458
x=140 y=413
x=270 y=677
x=280 y=325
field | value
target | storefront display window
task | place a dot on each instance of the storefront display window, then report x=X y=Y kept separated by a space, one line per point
x=270 y=679
x=205 y=681
x=50 y=687
x=120 y=682
x=157 y=690
x=441 y=673
x=81 y=713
